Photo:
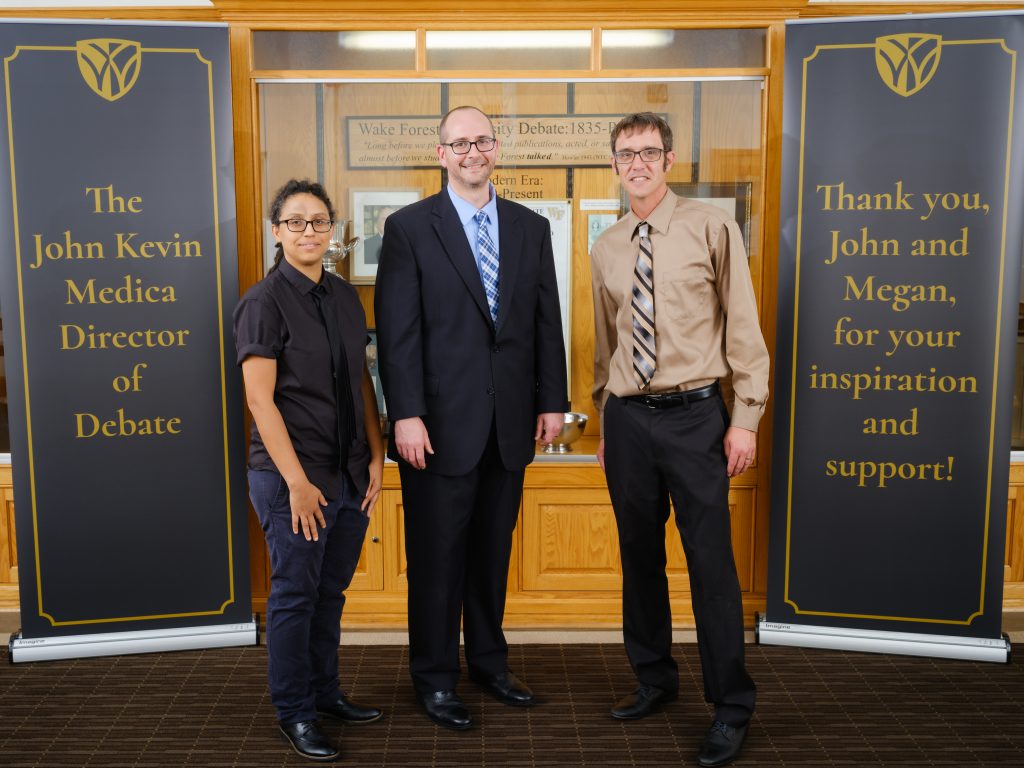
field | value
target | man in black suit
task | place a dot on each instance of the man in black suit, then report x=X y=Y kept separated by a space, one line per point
x=473 y=367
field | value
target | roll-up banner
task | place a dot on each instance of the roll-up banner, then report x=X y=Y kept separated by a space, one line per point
x=118 y=274
x=899 y=284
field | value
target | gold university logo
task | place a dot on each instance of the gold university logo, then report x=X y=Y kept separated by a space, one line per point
x=110 y=67
x=907 y=62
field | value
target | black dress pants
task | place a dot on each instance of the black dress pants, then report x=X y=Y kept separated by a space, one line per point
x=458 y=540
x=651 y=456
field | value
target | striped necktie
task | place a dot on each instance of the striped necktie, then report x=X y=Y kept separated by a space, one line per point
x=644 y=351
x=488 y=262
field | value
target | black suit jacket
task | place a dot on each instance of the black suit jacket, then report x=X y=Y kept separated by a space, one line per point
x=443 y=359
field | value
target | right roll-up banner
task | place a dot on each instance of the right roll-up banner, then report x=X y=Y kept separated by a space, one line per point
x=899 y=284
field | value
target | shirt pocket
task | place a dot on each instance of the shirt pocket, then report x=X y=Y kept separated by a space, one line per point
x=683 y=293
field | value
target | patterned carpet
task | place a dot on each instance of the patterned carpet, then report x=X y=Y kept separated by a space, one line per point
x=816 y=708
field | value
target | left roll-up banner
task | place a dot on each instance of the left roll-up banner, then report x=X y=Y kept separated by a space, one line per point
x=117 y=278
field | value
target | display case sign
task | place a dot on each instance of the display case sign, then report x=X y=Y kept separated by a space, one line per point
x=527 y=141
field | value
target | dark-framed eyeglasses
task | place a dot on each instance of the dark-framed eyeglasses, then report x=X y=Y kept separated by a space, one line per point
x=647 y=154
x=299 y=225
x=462 y=147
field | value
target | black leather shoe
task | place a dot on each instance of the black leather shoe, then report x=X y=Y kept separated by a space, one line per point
x=446 y=709
x=348 y=711
x=506 y=688
x=642 y=702
x=309 y=741
x=722 y=744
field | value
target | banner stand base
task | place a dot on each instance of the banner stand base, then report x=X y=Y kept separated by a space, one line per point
x=874 y=641
x=121 y=643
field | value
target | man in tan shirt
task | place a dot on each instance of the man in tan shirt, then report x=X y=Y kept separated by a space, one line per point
x=674 y=313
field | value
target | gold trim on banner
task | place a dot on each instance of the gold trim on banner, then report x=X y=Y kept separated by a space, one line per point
x=220 y=321
x=796 y=307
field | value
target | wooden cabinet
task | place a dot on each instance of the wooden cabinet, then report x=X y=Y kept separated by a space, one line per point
x=1013 y=586
x=8 y=550
x=569 y=541
x=564 y=569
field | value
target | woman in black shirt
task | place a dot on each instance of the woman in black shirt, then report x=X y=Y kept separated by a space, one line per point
x=316 y=459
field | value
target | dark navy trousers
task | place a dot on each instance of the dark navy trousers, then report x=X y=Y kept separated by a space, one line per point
x=307 y=593
x=458 y=540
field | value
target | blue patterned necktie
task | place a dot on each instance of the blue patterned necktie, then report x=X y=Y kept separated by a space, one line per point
x=488 y=262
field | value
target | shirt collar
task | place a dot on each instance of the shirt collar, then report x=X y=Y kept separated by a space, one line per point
x=659 y=218
x=300 y=282
x=467 y=211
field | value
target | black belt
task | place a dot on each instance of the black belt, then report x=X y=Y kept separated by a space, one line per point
x=674 y=399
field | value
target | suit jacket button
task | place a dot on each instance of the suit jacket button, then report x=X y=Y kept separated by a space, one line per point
x=490 y=390
x=495 y=348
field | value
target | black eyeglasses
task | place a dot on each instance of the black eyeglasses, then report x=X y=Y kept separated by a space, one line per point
x=299 y=225
x=647 y=154
x=462 y=147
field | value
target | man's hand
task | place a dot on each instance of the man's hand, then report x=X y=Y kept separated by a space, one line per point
x=548 y=427
x=600 y=453
x=412 y=441
x=307 y=503
x=740 y=447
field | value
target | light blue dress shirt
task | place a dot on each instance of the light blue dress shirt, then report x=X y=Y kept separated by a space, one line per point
x=467 y=211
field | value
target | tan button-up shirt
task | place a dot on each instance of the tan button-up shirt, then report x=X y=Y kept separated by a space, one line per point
x=706 y=324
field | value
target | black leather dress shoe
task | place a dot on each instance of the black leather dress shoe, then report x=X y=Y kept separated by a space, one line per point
x=309 y=741
x=506 y=688
x=722 y=744
x=446 y=709
x=348 y=711
x=642 y=702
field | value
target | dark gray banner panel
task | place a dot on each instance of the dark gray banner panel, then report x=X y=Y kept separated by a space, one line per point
x=899 y=282
x=119 y=273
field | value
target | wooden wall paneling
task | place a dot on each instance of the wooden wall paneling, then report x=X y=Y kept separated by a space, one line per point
x=767 y=290
x=730 y=131
x=856 y=8
x=288 y=135
x=259 y=561
x=515 y=560
x=248 y=199
x=589 y=184
x=674 y=100
x=8 y=549
x=592 y=184
x=731 y=138
x=395 y=565
x=369 y=573
x=496 y=98
x=570 y=541
x=247 y=190
x=344 y=100
x=1014 y=556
